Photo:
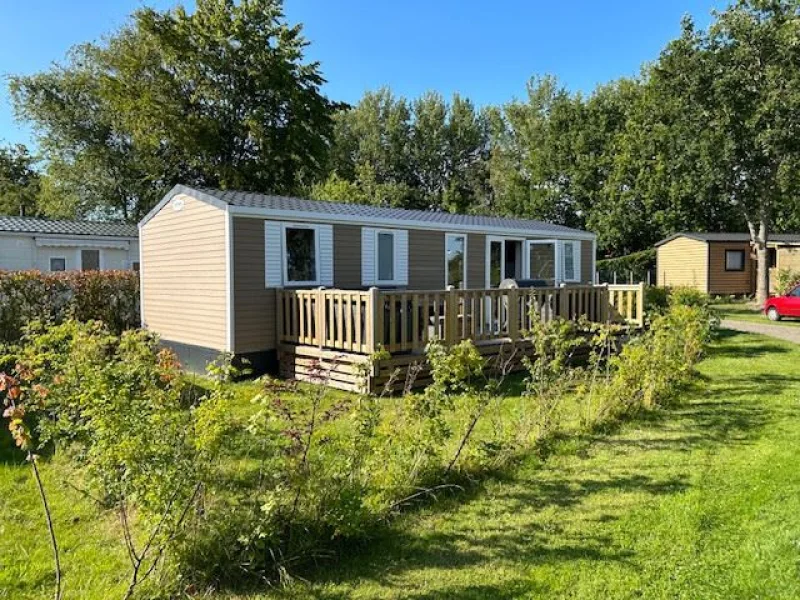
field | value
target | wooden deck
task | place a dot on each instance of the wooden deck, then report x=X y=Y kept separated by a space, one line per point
x=336 y=331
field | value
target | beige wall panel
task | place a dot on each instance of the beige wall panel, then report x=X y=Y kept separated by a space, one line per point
x=682 y=262
x=184 y=274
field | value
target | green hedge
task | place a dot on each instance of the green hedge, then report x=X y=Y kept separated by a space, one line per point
x=108 y=296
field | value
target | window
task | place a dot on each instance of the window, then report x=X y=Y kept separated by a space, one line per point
x=455 y=256
x=301 y=255
x=571 y=270
x=772 y=257
x=58 y=263
x=90 y=260
x=135 y=266
x=385 y=257
x=734 y=260
x=542 y=261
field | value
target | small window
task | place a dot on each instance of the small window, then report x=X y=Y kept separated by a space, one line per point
x=569 y=261
x=90 y=260
x=301 y=255
x=455 y=255
x=58 y=263
x=734 y=260
x=135 y=266
x=772 y=257
x=385 y=256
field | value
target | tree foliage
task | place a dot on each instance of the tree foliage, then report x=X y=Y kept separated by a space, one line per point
x=220 y=97
x=427 y=153
x=19 y=182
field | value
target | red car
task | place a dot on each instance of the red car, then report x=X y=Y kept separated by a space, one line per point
x=787 y=305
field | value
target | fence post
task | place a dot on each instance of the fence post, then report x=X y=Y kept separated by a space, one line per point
x=321 y=329
x=563 y=302
x=372 y=320
x=513 y=314
x=640 y=305
x=451 y=316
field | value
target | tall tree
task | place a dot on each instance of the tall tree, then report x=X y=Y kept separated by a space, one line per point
x=19 y=182
x=427 y=154
x=219 y=97
x=739 y=85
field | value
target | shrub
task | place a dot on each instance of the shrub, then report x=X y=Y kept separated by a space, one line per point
x=117 y=405
x=688 y=296
x=785 y=280
x=108 y=296
x=656 y=299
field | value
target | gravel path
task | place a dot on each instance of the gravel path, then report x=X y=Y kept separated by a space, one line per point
x=790 y=334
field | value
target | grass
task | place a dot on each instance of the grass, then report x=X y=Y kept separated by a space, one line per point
x=745 y=312
x=696 y=501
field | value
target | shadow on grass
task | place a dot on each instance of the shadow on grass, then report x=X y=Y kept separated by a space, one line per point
x=755 y=349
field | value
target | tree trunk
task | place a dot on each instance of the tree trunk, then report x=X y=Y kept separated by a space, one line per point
x=759 y=238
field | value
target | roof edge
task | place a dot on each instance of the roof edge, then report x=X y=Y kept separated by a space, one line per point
x=255 y=212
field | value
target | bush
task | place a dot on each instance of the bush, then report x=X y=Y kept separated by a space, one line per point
x=785 y=280
x=688 y=296
x=108 y=296
x=119 y=407
x=656 y=299
x=309 y=468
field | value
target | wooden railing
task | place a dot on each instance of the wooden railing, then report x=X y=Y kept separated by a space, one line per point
x=405 y=321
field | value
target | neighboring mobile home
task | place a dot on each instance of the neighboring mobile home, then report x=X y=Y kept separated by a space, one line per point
x=212 y=261
x=58 y=245
x=721 y=263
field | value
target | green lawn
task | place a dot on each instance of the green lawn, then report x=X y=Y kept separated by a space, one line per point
x=746 y=312
x=698 y=501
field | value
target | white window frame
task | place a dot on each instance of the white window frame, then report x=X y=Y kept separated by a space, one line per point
x=395 y=255
x=576 y=261
x=488 y=257
x=447 y=238
x=79 y=258
x=285 y=254
x=50 y=263
x=556 y=258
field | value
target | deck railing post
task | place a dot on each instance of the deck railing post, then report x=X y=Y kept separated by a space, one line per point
x=563 y=302
x=373 y=320
x=320 y=331
x=450 y=316
x=513 y=314
x=640 y=305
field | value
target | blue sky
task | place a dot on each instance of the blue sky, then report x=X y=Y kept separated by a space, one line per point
x=485 y=50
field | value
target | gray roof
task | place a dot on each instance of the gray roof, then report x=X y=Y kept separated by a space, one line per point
x=787 y=238
x=63 y=227
x=369 y=212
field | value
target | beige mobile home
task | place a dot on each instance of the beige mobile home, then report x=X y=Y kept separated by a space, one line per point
x=214 y=262
x=721 y=263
